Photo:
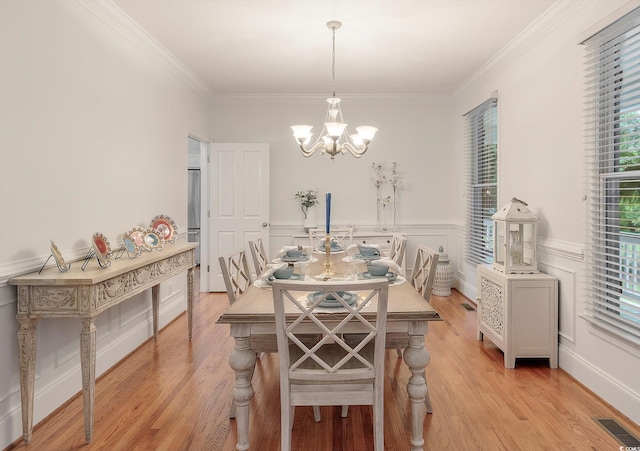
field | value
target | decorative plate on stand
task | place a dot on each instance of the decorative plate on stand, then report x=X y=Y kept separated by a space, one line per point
x=153 y=240
x=57 y=256
x=133 y=250
x=166 y=228
x=101 y=247
x=137 y=236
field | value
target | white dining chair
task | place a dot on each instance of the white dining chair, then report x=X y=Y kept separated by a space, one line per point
x=259 y=256
x=398 y=248
x=424 y=271
x=235 y=272
x=330 y=372
x=342 y=235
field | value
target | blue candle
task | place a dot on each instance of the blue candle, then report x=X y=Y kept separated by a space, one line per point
x=328 y=212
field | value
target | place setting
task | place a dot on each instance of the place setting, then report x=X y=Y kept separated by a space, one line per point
x=295 y=254
x=282 y=271
x=364 y=253
x=383 y=268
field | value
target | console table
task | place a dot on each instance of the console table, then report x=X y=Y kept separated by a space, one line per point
x=84 y=295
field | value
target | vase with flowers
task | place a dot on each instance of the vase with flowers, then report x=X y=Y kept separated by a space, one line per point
x=378 y=180
x=308 y=198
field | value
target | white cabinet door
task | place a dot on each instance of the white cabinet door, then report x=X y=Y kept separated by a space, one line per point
x=239 y=200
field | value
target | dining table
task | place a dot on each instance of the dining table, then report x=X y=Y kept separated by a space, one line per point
x=251 y=320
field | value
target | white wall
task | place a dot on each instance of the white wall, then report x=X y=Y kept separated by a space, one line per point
x=93 y=138
x=541 y=161
x=415 y=132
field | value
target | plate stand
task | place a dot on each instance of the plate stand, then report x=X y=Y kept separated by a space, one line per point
x=91 y=254
x=60 y=268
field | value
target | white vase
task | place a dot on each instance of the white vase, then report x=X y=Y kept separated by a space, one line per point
x=310 y=222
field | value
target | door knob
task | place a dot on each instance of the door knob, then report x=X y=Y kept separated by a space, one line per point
x=264 y=224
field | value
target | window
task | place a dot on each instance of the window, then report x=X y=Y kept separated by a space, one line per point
x=482 y=179
x=613 y=164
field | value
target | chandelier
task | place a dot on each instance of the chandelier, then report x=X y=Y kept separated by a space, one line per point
x=335 y=137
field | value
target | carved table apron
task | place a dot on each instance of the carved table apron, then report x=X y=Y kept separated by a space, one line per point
x=84 y=295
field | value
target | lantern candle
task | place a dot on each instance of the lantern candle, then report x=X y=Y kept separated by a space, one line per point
x=328 y=212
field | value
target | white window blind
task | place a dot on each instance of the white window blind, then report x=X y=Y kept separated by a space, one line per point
x=481 y=144
x=612 y=63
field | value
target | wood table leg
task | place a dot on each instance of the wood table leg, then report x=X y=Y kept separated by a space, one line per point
x=190 y=292
x=417 y=357
x=27 y=336
x=242 y=360
x=88 y=365
x=155 y=305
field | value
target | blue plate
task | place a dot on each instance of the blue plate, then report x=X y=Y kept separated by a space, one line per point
x=367 y=257
x=302 y=258
x=365 y=275
x=333 y=250
x=271 y=278
x=330 y=301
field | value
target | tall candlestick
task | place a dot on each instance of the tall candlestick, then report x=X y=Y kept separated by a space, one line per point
x=328 y=212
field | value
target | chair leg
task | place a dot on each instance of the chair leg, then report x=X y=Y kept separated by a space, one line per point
x=427 y=398
x=316 y=414
x=345 y=411
x=292 y=414
x=232 y=409
x=399 y=352
x=378 y=421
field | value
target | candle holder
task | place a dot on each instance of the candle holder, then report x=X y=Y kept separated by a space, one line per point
x=327 y=250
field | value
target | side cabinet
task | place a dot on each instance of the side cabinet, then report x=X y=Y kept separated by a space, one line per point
x=519 y=314
x=382 y=239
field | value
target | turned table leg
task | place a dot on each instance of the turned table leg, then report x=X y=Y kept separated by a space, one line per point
x=242 y=360
x=417 y=357
x=27 y=354
x=88 y=366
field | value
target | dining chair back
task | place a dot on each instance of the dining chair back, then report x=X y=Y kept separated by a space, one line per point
x=331 y=371
x=259 y=256
x=235 y=272
x=424 y=270
x=342 y=235
x=398 y=248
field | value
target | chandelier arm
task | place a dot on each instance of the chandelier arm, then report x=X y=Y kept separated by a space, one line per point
x=318 y=145
x=356 y=151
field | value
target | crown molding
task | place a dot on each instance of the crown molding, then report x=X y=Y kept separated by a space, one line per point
x=321 y=99
x=114 y=17
x=552 y=18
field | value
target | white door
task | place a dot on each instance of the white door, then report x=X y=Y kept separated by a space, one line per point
x=239 y=201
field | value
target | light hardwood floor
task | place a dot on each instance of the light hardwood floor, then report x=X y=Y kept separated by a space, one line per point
x=174 y=395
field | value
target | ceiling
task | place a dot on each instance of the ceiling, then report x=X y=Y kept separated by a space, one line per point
x=283 y=47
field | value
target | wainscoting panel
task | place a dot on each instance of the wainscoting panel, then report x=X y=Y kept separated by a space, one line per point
x=567 y=284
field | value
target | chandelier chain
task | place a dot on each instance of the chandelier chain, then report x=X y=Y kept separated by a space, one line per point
x=333 y=66
x=334 y=137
